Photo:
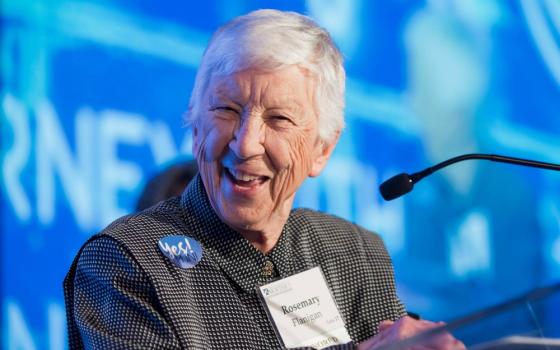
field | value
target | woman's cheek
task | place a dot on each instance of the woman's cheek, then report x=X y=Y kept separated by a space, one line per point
x=278 y=151
x=289 y=157
x=217 y=141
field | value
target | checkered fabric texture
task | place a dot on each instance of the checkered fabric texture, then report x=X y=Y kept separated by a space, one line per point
x=122 y=293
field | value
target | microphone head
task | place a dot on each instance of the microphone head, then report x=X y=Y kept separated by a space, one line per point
x=396 y=186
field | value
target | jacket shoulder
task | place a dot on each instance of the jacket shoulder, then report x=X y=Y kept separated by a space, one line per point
x=147 y=225
x=338 y=230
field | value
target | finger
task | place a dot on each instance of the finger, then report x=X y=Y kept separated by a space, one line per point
x=444 y=341
x=420 y=347
x=383 y=325
x=459 y=345
x=374 y=342
x=430 y=324
x=407 y=326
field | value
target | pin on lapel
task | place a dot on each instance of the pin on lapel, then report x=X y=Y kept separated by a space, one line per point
x=183 y=251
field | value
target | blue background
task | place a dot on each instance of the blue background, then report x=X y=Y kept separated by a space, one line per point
x=92 y=94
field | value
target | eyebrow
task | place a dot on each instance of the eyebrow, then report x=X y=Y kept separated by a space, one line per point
x=219 y=96
x=285 y=102
x=292 y=107
x=282 y=102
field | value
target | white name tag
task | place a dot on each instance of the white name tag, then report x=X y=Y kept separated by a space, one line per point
x=303 y=311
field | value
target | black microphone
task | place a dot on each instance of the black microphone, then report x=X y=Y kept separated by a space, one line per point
x=403 y=183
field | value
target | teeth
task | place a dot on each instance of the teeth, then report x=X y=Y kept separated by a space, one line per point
x=238 y=175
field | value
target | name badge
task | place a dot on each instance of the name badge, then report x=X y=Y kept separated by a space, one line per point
x=304 y=312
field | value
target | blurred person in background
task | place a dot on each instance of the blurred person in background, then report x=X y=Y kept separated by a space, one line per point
x=166 y=184
x=481 y=206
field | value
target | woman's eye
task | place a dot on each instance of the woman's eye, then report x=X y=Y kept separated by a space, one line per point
x=281 y=121
x=281 y=118
x=224 y=108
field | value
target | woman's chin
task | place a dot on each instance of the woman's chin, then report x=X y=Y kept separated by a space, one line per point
x=244 y=219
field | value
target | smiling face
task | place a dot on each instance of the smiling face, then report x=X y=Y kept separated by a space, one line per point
x=256 y=140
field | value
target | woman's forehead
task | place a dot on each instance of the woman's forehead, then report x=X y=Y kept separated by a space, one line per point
x=288 y=84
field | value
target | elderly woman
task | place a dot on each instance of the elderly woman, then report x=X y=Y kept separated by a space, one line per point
x=229 y=264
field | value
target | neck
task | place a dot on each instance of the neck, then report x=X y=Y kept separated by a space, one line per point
x=262 y=241
x=264 y=236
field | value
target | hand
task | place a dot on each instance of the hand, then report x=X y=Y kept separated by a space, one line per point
x=406 y=327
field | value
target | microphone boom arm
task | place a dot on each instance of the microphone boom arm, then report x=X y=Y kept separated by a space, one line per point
x=492 y=157
x=403 y=183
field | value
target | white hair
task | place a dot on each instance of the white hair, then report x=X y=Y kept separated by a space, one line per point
x=270 y=40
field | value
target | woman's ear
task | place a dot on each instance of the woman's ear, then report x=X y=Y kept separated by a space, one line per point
x=322 y=153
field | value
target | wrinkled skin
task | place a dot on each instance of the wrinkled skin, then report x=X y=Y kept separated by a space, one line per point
x=406 y=327
x=262 y=125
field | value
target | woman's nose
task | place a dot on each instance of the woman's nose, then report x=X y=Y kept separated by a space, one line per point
x=248 y=139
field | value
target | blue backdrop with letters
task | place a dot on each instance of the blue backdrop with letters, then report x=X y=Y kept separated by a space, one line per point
x=92 y=93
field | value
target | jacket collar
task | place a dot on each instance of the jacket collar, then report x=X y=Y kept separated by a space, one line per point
x=234 y=255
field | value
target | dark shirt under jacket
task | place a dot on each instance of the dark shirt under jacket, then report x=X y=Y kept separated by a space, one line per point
x=122 y=293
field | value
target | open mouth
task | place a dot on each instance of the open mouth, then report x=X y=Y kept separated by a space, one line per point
x=242 y=179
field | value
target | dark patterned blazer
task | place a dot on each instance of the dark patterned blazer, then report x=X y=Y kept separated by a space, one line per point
x=122 y=293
